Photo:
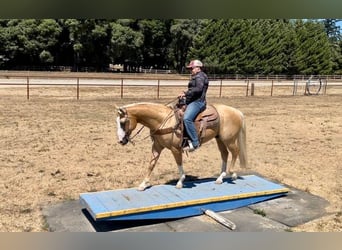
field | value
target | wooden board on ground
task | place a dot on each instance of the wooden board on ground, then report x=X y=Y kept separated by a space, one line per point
x=167 y=202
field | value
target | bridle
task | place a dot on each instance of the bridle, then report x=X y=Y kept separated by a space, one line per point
x=125 y=124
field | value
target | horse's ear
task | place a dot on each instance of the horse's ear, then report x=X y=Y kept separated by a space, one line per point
x=119 y=110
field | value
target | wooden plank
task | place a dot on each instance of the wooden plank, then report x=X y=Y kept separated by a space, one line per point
x=166 y=200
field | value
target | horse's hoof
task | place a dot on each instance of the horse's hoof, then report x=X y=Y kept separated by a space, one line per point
x=179 y=185
x=218 y=182
x=140 y=188
x=234 y=176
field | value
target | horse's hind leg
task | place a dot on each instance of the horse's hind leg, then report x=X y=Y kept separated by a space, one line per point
x=233 y=148
x=224 y=156
x=156 y=150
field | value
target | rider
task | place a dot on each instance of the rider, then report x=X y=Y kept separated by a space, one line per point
x=195 y=98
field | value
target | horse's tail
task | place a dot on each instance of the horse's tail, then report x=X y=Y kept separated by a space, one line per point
x=242 y=144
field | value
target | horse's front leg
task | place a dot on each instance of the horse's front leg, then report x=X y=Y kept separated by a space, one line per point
x=177 y=154
x=156 y=150
x=223 y=174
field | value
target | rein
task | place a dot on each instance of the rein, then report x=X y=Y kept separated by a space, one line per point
x=138 y=132
x=158 y=131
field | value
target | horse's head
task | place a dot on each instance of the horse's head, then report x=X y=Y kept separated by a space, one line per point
x=125 y=124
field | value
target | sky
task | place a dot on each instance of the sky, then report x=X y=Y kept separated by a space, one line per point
x=339 y=24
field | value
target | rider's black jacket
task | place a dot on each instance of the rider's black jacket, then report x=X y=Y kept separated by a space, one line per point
x=197 y=87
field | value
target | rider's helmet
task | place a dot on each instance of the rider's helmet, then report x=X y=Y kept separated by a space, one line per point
x=195 y=63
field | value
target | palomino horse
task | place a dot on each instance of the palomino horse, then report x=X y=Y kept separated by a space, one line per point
x=230 y=134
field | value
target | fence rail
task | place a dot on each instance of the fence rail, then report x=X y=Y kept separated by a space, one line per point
x=249 y=83
x=156 y=75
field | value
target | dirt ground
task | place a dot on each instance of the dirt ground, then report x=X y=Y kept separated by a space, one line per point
x=54 y=147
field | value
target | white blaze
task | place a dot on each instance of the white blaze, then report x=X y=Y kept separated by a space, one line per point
x=121 y=132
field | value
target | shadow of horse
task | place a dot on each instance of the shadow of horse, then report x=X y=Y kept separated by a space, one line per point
x=193 y=181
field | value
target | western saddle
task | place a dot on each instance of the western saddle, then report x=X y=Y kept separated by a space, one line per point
x=208 y=118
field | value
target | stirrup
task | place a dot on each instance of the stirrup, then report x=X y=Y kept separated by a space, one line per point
x=191 y=147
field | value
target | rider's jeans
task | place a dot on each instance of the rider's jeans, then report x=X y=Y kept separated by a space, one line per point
x=192 y=110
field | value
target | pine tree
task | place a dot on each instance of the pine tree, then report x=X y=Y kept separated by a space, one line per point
x=313 y=53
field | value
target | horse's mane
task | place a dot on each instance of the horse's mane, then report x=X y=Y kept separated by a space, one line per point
x=145 y=103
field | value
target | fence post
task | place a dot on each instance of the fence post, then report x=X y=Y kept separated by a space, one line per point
x=272 y=89
x=78 y=88
x=306 y=90
x=295 y=87
x=252 y=89
x=247 y=87
x=28 y=87
x=158 y=89
x=221 y=88
x=121 y=91
x=325 y=87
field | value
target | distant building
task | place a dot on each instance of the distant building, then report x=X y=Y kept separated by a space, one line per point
x=116 y=67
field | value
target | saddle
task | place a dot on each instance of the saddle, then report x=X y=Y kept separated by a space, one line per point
x=208 y=118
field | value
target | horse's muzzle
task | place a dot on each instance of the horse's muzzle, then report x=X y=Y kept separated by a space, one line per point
x=123 y=141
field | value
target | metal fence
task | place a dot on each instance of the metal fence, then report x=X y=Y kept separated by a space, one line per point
x=158 y=82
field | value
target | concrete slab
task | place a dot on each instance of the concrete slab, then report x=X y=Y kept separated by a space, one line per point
x=279 y=215
x=248 y=221
x=296 y=208
x=191 y=224
x=67 y=217
x=196 y=224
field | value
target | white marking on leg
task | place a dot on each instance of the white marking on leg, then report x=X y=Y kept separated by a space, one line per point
x=181 y=178
x=145 y=184
x=223 y=174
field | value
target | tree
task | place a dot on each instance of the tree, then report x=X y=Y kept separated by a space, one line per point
x=48 y=34
x=156 y=41
x=90 y=40
x=46 y=57
x=24 y=40
x=126 y=44
x=3 y=44
x=234 y=46
x=243 y=46
x=183 y=32
x=338 y=69
x=333 y=31
x=274 y=47
x=312 y=54
x=98 y=47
